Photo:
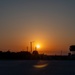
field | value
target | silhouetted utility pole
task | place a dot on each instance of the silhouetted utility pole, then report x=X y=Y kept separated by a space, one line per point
x=31 y=46
x=27 y=48
x=36 y=48
x=61 y=52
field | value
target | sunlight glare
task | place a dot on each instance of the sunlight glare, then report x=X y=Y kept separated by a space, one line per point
x=41 y=64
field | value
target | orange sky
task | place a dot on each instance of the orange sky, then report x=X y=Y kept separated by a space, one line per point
x=48 y=22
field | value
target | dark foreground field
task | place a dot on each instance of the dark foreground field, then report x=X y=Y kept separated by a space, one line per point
x=37 y=67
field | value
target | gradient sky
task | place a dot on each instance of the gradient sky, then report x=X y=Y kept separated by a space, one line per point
x=48 y=22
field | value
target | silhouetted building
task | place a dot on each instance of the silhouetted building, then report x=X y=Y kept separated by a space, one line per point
x=35 y=52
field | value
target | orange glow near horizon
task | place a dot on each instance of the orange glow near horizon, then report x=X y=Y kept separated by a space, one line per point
x=42 y=46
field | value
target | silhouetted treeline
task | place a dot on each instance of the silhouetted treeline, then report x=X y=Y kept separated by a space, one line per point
x=15 y=55
x=25 y=55
x=22 y=55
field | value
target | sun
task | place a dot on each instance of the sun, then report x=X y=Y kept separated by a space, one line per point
x=38 y=46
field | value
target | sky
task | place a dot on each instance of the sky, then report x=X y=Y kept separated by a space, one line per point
x=51 y=23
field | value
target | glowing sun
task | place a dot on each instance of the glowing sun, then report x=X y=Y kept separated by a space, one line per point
x=37 y=46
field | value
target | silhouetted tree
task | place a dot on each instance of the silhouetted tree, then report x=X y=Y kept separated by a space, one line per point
x=72 y=48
